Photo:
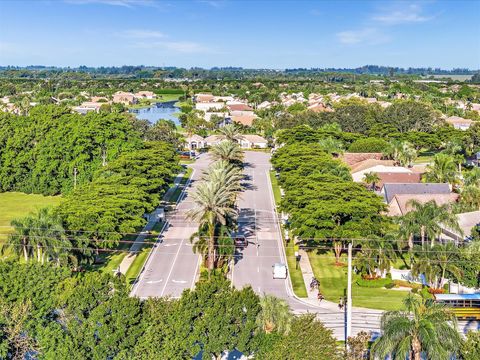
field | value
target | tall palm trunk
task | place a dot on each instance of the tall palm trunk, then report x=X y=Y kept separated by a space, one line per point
x=410 y=249
x=211 y=247
x=422 y=235
x=25 y=251
x=416 y=348
x=39 y=253
x=337 y=245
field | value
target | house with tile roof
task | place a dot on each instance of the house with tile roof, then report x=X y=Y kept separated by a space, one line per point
x=459 y=123
x=399 y=205
x=466 y=221
x=390 y=190
x=359 y=175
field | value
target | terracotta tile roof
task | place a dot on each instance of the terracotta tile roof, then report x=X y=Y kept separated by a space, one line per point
x=203 y=97
x=368 y=163
x=239 y=107
x=354 y=158
x=246 y=120
x=458 y=120
x=398 y=205
x=394 y=177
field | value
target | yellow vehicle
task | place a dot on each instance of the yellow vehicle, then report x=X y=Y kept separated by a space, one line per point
x=464 y=306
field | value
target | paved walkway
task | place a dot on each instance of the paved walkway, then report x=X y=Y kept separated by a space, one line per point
x=137 y=245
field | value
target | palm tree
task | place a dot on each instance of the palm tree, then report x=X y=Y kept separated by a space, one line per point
x=443 y=170
x=275 y=315
x=470 y=197
x=430 y=218
x=213 y=208
x=226 y=174
x=371 y=178
x=422 y=329
x=407 y=228
x=332 y=146
x=434 y=264
x=227 y=151
x=19 y=240
x=402 y=152
x=231 y=132
x=473 y=177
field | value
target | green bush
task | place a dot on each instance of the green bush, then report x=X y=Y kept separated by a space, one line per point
x=377 y=283
x=368 y=145
x=390 y=285
x=425 y=294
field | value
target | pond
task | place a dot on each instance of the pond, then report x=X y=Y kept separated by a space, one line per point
x=153 y=113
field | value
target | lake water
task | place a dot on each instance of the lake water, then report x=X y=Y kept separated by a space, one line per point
x=158 y=111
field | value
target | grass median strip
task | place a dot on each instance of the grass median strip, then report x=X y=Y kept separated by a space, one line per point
x=295 y=274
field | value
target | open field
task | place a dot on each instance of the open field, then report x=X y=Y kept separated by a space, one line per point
x=14 y=205
x=333 y=284
x=295 y=274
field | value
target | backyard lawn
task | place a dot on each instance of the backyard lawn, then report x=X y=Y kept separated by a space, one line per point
x=333 y=282
x=14 y=205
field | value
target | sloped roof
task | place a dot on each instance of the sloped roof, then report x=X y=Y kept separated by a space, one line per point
x=401 y=200
x=395 y=178
x=458 y=120
x=467 y=221
x=369 y=163
x=254 y=138
x=239 y=107
x=246 y=120
x=390 y=190
x=354 y=158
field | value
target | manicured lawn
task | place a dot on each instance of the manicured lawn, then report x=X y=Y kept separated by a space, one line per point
x=295 y=274
x=168 y=97
x=333 y=284
x=113 y=262
x=15 y=205
x=137 y=265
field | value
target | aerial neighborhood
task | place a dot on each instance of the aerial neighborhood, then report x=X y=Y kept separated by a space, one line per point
x=256 y=190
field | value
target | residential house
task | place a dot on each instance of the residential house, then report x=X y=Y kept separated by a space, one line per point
x=88 y=106
x=319 y=107
x=250 y=141
x=239 y=107
x=213 y=140
x=207 y=106
x=352 y=159
x=195 y=142
x=359 y=175
x=145 y=95
x=200 y=98
x=124 y=98
x=399 y=205
x=459 y=123
x=264 y=105
x=245 y=120
x=397 y=178
x=466 y=221
x=390 y=190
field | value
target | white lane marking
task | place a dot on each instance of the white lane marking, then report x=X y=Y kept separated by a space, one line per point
x=179 y=281
x=169 y=244
x=171 y=268
x=258 y=268
x=154 y=281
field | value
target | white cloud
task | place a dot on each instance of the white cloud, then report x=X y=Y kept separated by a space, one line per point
x=142 y=34
x=410 y=14
x=123 y=3
x=370 y=36
x=213 y=3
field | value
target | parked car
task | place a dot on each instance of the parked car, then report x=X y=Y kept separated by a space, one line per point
x=240 y=241
x=279 y=271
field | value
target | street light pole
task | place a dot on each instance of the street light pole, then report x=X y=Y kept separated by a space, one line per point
x=349 y=294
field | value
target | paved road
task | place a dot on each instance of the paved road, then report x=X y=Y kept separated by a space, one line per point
x=253 y=265
x=172 y=266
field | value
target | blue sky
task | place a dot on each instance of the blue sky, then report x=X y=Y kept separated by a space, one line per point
x=255 y=34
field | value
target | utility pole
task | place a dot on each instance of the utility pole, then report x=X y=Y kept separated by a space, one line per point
x=348 y=332
x=104 y=157
x=74 y=178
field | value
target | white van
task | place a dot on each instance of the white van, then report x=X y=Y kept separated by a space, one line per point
x=279 y=271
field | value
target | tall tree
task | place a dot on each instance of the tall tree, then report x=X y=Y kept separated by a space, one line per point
x=423 y=329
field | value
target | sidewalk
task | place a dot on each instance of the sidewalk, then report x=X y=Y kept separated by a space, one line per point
x=307 y=273
x=137 y=245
